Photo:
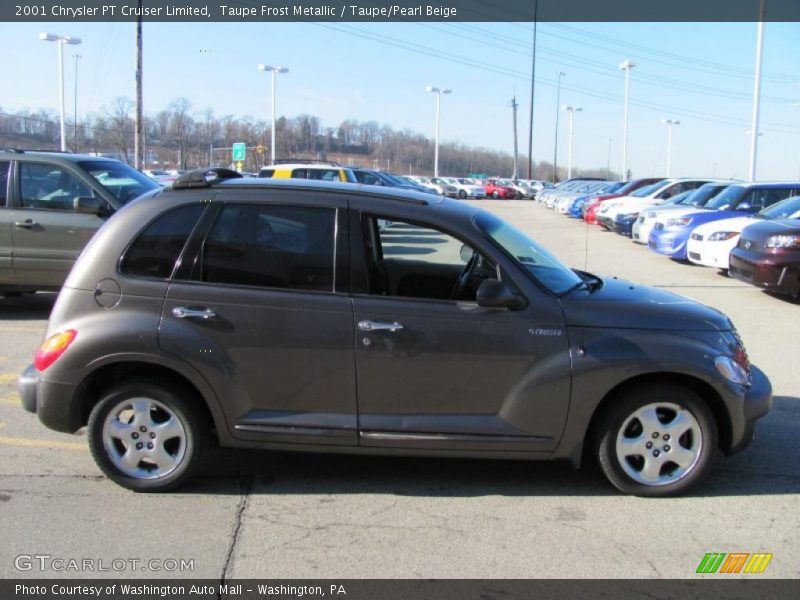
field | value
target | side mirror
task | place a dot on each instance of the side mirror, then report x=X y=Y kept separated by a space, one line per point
x=744 y=206
x=466 y=253
x=497 y=294
x=88 y=205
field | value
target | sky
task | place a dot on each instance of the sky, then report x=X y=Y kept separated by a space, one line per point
x=699 y=73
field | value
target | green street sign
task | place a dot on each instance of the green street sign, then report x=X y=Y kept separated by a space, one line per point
x=239 y=151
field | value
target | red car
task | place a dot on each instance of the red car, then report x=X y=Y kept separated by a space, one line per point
x=590 y=214
x=495 y=190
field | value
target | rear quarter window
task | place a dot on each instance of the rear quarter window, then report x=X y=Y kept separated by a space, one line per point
x=154 y=252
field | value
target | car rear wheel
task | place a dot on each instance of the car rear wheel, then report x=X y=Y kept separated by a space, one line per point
x=462 y=194
x=657 y=441
x=495 y=195
x=147 y=437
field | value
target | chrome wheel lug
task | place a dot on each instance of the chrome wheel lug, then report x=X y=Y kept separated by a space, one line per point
x=648 y=445
x=135 y=435
x=152 y=435
x=139 y=446
x=656 y=453
x=666 y=437
x=655 y=434
x=150 y=445
x=143 y=429
x=667 y=448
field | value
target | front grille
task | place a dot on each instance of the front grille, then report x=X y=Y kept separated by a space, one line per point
x=747 y=244
x=697 y=236
x=694 y=255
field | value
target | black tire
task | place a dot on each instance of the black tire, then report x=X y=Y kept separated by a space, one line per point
x=622 y=411
x=495 y=195
x=195 y=432
x=462 y=194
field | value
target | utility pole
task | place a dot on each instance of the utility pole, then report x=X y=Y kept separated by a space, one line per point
x=514 y=112
x=533 y=86
x=608 y=164
x=77 y=57
x=137 y=136
x=559 y=75
x=626 y=66
x=756 y=94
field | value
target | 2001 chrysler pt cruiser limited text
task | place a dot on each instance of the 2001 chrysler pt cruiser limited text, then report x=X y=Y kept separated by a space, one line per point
x=305 y=315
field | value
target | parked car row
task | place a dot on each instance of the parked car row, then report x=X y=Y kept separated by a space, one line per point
x=749 y=230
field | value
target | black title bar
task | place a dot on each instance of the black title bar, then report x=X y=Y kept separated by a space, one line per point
x=400 y=10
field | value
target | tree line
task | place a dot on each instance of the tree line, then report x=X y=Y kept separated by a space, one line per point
x=183 y=138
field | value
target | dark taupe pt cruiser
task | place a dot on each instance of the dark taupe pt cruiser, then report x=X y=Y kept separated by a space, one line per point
x=346 y=318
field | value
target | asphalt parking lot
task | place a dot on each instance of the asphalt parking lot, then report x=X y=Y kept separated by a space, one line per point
x=261 y=514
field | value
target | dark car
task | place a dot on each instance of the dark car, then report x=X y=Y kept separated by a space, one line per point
x=768 y=256
x=278 y=314
x=372 y=177
x=52 y=204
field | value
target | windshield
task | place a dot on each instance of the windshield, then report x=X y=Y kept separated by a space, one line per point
x=702 y=195
x=545 y=267
x=611 y=187
x=784 y=209
x=647 y=190
x=727 y=198
x=126 y=183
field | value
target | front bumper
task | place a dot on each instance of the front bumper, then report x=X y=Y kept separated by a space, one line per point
x=53 y=402
x=781 y=276
x=605 y=222
x=756 y=403
x=624 y=226
x=669 y=242
x=710 y=254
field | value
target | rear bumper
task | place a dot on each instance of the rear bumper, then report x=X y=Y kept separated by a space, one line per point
x=53 y=402
x=778 y=276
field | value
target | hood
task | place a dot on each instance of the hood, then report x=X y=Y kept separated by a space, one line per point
x=760 y=230
x=732 y=224
x=620 y=304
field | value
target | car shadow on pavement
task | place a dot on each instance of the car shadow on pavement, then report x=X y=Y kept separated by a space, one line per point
x=27 y=307
x=761 y=469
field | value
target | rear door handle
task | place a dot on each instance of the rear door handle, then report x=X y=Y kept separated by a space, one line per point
x=184 y=312
x=27 y=224
x=378 y=326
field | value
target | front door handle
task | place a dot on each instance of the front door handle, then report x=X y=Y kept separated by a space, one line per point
x=377 y=326
x=26 y=224
x=183 y=312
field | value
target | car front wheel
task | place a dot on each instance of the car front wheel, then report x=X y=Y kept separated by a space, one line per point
x=462 y=194
x=657 y=441
x=147 y=437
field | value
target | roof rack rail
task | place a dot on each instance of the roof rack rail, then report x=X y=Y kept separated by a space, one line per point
x=305 y=161
x=203 y=178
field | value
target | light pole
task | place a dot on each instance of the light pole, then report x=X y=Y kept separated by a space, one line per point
x=626 y=66
x=61 y=39
x=571 y=110
x=438 y=92
x=559 y=75
x=77 y=57
x=670 y=123
x=608 y=163
x=274 y=71
x=756 y=94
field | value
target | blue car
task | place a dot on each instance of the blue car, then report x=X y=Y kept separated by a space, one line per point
x=671 y=232
x=576 y=208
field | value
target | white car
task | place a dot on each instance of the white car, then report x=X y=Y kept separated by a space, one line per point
x=710 y=244
x=465 y=188
x=697 y=199
x=652 y=195
x=424 y=182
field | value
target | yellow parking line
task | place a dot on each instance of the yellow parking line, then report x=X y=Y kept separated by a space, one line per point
x=11 y=441
x=8 y=377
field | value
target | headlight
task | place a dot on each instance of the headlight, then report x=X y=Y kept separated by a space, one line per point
x=679 y=222
x=731 y=370
x=783 y=241
x=720 y=236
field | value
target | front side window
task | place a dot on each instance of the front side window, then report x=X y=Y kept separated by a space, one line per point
x=409 y=260
x=760 y=199
x=728 y=197
x=155 y=251
x=50 y=187
x=262 y=245
x=4 y=168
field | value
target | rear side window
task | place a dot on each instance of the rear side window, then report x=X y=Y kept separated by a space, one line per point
x=288 y=247
x=266 y=172
x=155 y=251
x=4 y=166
